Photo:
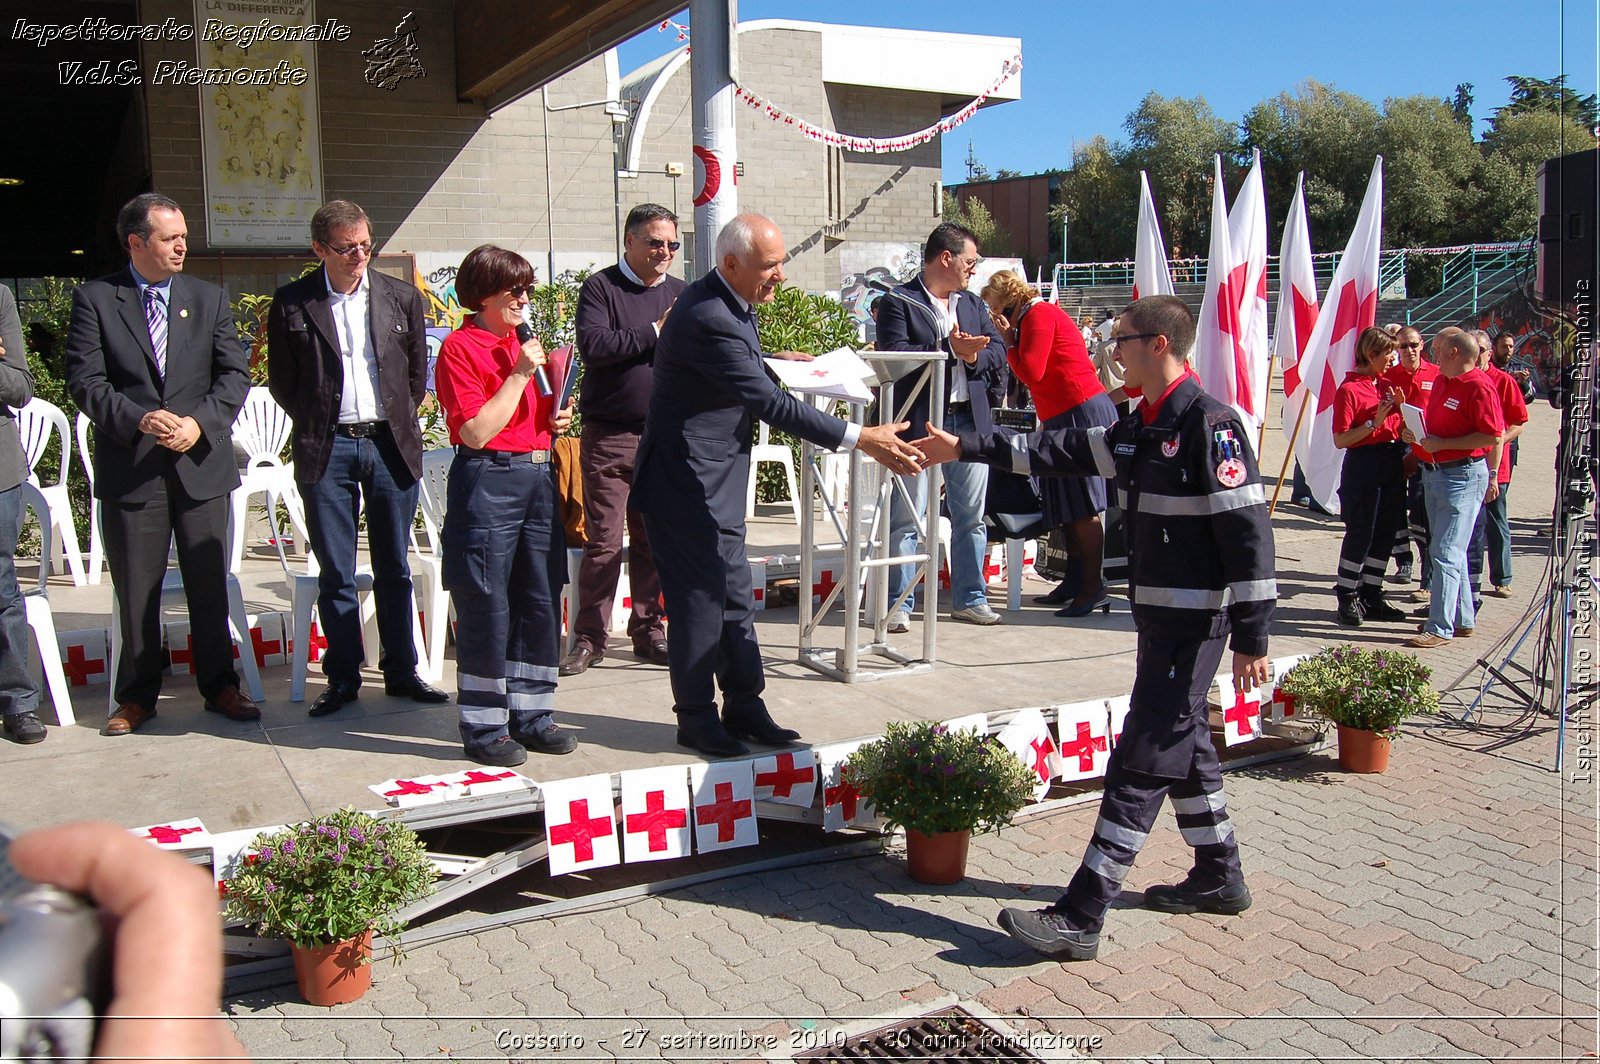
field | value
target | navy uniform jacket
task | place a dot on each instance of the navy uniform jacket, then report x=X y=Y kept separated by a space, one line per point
x=902 y=327
x=710 y=389
x=1201 y=559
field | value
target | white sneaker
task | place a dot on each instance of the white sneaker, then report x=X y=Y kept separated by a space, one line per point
x=899 y=621
x=979 y=614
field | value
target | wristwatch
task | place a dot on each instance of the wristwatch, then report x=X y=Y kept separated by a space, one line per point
x=1372 y=426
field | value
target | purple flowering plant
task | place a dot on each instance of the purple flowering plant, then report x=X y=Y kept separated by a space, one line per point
x=329 y=879
x=930 y=778
x=1372 y=689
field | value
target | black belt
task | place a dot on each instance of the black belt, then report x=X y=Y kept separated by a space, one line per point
x=361 y=430
x=960 y=408
x=504 y=457
x=1436 y=466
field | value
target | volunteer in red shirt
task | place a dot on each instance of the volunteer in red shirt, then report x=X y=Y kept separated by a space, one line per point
x=1372 y=485
x=1493 y=532
x=1464 y=424
x=504 y=548
x=1046 y=351
x=1414 y=376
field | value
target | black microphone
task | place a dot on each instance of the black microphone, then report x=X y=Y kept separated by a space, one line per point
x=879 y=285
x=541 y=379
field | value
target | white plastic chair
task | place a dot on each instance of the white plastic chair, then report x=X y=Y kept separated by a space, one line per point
x=261 y=429
x=36 y=602
x=766 y=451
x=304 y=604
x=37 y=422
x=97 y=547
x=428 y=574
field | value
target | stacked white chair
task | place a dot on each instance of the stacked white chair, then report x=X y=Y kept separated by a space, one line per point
x=428 y=575
x=97 y=546
x=38 y=422
x=261 y=430
x=36 y=602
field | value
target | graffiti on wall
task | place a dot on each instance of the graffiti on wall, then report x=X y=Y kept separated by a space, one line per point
x=864 y=261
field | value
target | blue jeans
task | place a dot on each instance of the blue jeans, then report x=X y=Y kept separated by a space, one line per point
x=18 y=692
x=965 y=486
x=368 y=475
x=1454 y=496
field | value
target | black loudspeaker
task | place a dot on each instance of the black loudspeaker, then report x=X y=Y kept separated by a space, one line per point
x=1567 y=252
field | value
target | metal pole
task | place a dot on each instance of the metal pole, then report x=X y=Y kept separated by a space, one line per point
x=713 y=68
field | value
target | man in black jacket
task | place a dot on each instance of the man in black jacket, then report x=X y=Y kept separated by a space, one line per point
x=19 y=695
x=1201 y=565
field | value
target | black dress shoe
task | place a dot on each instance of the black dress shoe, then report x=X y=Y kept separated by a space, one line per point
x=759 y=728
x=333 y=699
x=579 y=660
x=711 y=739
x=654 y=652
x=1063 y=592
x=24 y=728
x=416 y=689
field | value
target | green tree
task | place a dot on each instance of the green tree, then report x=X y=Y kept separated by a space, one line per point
x=1329 y=134
x=1552 y=96
x=1429 y=163
x=1508 y=201
x=1174 y=140
x=1099 y=203
x=993 y=240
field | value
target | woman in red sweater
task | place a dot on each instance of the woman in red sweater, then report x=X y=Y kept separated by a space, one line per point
x=1047 y=353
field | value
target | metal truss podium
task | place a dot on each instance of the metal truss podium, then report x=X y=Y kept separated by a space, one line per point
x=857 y=505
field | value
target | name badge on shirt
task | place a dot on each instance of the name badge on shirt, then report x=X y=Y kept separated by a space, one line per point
x=1124 y=449
x=1452 y=404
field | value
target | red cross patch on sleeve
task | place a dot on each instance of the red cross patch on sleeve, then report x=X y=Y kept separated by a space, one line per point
x=1231 y=473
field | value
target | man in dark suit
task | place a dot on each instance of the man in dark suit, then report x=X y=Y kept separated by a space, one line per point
x=936 y=312
x=154 y=359
x=347 y=357
x=19 y=695
x=710 y=389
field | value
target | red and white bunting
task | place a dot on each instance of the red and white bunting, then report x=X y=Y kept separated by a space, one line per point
x=580 y=824
x=188 y=834
x=973 y=722
x=655 y=814
x=842 y=804
x=1028 y=736
x=1118 y=708
x=1284 y=706
x=789 y=778
x=724 y=805
x=1085 y=731
x=1241 y=712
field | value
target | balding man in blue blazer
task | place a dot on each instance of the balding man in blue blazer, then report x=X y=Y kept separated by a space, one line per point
x=710 y=389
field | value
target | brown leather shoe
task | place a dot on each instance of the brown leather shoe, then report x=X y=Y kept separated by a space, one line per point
x=654 y=651
x=233 y=704
x=579 y=660
x=129 y=717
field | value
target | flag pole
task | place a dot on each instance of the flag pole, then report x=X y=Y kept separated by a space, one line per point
x=1289 y=454
x=1261 y=437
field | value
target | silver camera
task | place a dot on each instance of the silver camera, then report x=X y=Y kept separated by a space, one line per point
x=54 y=975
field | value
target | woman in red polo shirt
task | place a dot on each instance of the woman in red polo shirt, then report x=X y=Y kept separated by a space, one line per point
x=1372 y=485
x=504 y=548
x=1046 y=351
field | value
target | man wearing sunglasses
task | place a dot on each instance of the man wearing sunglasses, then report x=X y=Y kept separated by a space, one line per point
x=347 y=357
x=620 y=313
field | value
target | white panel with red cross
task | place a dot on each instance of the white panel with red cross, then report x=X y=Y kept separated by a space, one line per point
x=580 y=824
x=758 y=581
x=622 y=602
x=1028 y=736
x=266 y=636
x=1241 y=711
x=842 y=804
x=724 y=805
x=1284 y=707
x=1118 y=708
x=655 y=813
x=189 y=834
x=825 y=576
x=411 y=791
x=788 y=778
x=1084 y=729
x=84 y=656
x=477 y=782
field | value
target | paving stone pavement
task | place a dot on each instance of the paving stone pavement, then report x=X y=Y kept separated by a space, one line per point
x=1446 y=910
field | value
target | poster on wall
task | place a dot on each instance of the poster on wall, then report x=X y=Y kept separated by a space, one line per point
x=260 y=132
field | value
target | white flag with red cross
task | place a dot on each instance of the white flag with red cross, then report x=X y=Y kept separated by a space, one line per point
x=1118 y=708
x=1028 y=736
x=189 y=834
x=723 y=799
x=1297 y=310
x=1219 y=354
x=972 y=722
x=580 y=824
x=789 y=778
x=842 y=804
x=1284 y=706
x=655 y=813
x=1350 y=306
x=1247 y=233
x=1151 y=275
x=1085 y=731
x=1241 y=711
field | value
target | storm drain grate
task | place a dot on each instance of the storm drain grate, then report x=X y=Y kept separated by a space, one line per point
x=950 y=1034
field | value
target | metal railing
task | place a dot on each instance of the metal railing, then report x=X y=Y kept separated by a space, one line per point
x=1472 y=280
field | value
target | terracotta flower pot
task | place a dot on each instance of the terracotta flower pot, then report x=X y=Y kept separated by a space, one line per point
x=1362 y=751
x=940 y=858
x=335 y=974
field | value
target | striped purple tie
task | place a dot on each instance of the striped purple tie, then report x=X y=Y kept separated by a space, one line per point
x=155 y=314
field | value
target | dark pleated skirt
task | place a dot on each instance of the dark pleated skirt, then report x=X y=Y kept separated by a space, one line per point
x=1073 y=498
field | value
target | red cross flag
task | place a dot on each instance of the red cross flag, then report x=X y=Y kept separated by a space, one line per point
x=1284 y=706
x=655 y=814
x=1297 y=309
x=789 y=778
x=1118 y=708
x=1028 y=736
x=842 y=804
x=580 y=824
x=1085 y=730
x=1247 y=232
x=1219 y=353
x=1241 y=712
x=723 y=800
x=188 y=834
x=1151 y=275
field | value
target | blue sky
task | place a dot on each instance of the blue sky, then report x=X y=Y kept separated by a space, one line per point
x=1086 y=68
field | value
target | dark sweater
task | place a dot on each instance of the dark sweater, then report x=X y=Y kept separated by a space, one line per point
x=617 y=339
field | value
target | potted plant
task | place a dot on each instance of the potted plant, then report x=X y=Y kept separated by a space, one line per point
x=941 y=785
x=1367 y=693
x=327 y=885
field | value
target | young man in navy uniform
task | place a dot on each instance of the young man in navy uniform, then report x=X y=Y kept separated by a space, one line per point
x=1201 y=566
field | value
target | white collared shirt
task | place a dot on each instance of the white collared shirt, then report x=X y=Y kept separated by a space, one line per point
x=945 y=311
x=360 y=399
